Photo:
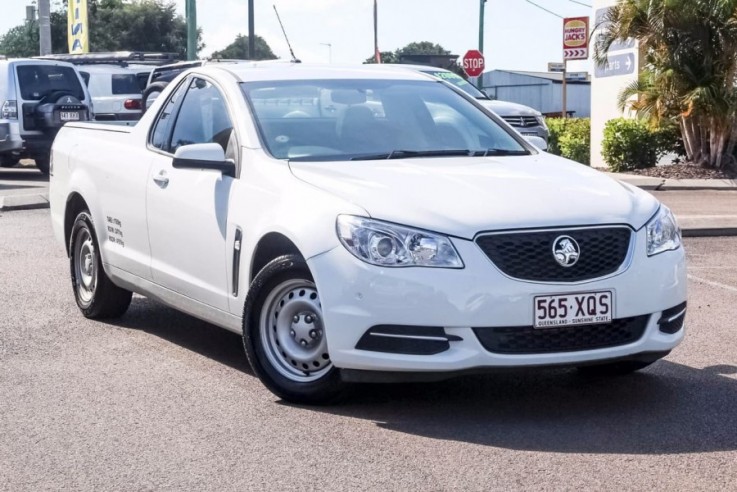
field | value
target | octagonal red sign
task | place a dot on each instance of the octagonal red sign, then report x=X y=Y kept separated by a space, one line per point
x=473 y=63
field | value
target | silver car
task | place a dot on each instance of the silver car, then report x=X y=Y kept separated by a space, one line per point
x=526 y=120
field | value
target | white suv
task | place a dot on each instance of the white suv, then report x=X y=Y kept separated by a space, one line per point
x=37 y=97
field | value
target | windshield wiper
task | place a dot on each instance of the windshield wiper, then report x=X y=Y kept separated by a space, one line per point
x=407 y=154
x=499 y=152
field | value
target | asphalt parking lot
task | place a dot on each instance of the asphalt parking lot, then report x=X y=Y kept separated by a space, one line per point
x=159 y=400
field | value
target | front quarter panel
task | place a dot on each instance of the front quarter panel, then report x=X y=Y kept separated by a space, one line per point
x=269 y=199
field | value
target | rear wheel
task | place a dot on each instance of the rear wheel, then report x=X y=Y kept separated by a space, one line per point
x=96 y=295
x=284 y=334
x=151 y=93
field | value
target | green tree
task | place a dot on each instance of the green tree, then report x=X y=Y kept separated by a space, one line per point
x=422 y=48
x=386 y=57
x=238 y=49
x=114 y=25
x=690 y=70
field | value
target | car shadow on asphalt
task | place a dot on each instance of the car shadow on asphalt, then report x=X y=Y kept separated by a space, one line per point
x=669 y=408
x=185 y=331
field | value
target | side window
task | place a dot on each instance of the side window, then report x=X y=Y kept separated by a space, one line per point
x=203 y=117
x=160 y=134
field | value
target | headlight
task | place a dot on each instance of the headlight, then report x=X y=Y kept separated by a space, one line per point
x=663 y=233
x=391 y=245
x=541 y=121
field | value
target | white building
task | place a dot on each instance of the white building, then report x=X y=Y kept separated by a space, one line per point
x=540 y=90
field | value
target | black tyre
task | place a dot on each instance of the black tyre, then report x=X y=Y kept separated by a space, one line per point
x=613 y=369
x=96 y=295
x=151 y=93
x=43 y=163
x=8 y=161
x=284 y=335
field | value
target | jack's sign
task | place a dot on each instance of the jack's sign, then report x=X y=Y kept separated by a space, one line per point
x=576 y=38
x=77 y=27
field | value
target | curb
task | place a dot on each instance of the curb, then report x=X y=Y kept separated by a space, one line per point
x=662 y=184
x=710 y=232
x=23 y=202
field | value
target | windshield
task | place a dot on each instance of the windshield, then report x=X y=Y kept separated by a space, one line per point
x=367 y=118
x=38 y=81
x=458 y=81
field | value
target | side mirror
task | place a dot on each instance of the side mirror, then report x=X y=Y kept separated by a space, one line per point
x=203 y=156
x=537 y=142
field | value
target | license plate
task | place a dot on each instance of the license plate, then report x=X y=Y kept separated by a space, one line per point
x=66 y=116
x=529 y=134
x=573 y=309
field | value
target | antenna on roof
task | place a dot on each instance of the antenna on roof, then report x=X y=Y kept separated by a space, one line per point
x=291 y=51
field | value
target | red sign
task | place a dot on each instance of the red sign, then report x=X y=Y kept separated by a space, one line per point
x=576 y=38
x=473 y=63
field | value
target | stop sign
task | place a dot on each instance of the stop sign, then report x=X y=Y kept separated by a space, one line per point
x=473 y=63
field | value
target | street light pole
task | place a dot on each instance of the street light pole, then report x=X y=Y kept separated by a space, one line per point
x=191 y=13
x=330 y=51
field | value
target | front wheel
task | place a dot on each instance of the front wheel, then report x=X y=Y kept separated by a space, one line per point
x=96 y=295
x=284 y=334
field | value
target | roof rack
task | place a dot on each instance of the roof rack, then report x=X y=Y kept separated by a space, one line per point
x=122 y=58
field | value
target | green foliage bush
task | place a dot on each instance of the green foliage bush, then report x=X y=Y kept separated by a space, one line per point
x=570 y=138
x=632 y=144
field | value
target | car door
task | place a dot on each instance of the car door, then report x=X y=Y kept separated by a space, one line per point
x=187 y=209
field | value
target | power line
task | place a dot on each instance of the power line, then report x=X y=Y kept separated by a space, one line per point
x=580 y=3
x=543 y=8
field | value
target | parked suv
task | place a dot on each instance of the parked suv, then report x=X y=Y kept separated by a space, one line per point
x=116 y=80
x=37 y=97
x=116 y=90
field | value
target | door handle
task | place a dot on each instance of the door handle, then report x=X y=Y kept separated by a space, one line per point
x=161 y=179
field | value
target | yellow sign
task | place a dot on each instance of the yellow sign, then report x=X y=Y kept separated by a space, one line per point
x=77 y=27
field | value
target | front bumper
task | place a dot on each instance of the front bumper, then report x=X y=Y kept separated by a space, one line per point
x=356 y=296
x=534 y=131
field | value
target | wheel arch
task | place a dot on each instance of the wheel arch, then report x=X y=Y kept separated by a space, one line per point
x=75 y=204
x=272 y=245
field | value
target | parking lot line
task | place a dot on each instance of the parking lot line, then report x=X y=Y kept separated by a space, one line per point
x=713 y=284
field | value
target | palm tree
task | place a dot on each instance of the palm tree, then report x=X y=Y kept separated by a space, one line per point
x=690 y=69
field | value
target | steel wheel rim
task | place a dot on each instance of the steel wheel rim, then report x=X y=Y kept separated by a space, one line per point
x=292 y=331
x=85 y=267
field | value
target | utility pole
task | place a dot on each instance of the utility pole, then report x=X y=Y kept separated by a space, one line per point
x=44 y=27
x=191 y=13
x=481 y=26
x=251 y=32
x=480 y=80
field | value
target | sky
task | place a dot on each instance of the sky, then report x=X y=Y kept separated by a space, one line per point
x=517 y=35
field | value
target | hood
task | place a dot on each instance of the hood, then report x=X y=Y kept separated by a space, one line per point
x=504 y=108
x=462 y=196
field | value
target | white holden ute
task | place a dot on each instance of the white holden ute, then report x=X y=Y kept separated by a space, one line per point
x=358 y=225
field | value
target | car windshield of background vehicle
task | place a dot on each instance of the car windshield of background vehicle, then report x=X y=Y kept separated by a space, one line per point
x=372 y=119
x=38 y=81
x=458 y=81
